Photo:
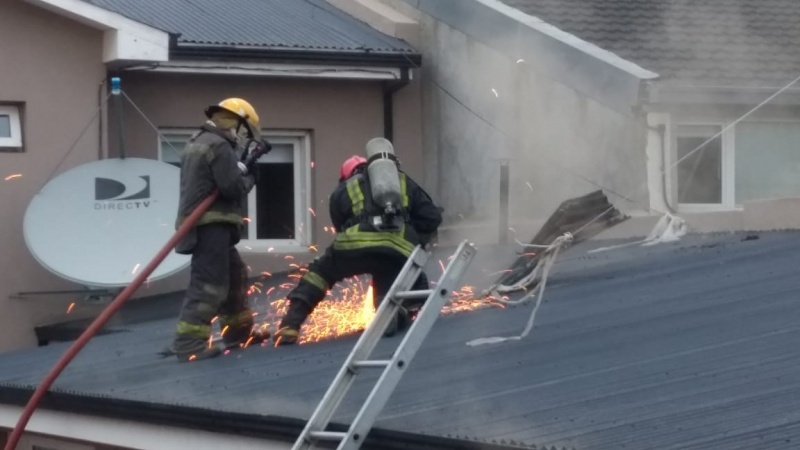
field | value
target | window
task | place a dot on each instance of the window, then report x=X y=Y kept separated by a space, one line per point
x=767 y=160
x=36 y=442
x=277 y=208
x=704 y=175
x=10 y=128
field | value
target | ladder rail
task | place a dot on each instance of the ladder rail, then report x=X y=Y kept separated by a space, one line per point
x=393 y=369
x=366 y=343
x=409 y=346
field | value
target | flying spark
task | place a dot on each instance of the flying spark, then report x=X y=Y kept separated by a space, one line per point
x=495 y=92
x=520 y=61
x=69 y=309
x=246 y=219
x=11 y=177
x=135 y=268
x=311 y=210
x=529 y=185
x=312 y=164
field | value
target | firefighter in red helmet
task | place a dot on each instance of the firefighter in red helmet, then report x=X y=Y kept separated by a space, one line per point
x=361 y=246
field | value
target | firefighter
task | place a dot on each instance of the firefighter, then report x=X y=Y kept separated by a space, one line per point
x=361 y=247
x=217 y=287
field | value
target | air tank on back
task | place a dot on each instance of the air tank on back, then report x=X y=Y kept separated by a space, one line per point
x=384 y=178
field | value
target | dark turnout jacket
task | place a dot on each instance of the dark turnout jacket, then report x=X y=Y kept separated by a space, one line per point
x=351 y=207
x=208 y=163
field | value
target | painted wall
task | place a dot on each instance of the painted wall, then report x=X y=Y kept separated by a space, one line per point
x=52 y=65
x=493 y=90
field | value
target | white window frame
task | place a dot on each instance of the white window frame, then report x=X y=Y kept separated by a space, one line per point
x=304 y=226
x=785 y=120
x=15 y=141
x=728 y=169
x=30 y=441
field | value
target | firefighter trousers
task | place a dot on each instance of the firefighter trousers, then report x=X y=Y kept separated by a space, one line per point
x=217 y=287
x=336 y=265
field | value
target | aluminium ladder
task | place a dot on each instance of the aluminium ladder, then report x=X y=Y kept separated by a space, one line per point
x=358 y=359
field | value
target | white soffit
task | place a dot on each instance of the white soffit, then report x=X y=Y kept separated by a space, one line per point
x=123 y=39
x=129 y=434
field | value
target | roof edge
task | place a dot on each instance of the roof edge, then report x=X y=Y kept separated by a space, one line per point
x=276 y=428
x=570 y=61
x=333 y=57
x=123 y=38
x=668 y=93
x=571 y=40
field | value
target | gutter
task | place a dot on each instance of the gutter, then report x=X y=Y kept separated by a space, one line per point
x=389 y=88
x=367 y=58
x=276 y=428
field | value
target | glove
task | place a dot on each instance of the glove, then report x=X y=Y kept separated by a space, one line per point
x=253 y=151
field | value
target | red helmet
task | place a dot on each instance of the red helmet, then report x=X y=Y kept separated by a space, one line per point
x=350 y=165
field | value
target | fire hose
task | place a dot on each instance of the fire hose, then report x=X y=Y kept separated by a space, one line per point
x=101 y=320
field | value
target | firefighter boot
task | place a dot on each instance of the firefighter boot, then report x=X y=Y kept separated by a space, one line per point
x=286 y=336
x=238 y=330
x=192 y=343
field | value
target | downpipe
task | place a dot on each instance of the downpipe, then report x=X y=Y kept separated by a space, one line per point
x=102 y=319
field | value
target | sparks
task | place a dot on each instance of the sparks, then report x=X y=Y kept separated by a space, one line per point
x=192 y=358
x=214 y=319
x=313 y=248
x=69 y=309
x=312 y=164
x=520 y=61
x=529 y=185
x=288 y=257
x=495 y=92
x=246 y=219
x=266 y=274
x=349 y=308
x=11 y=177
x=271 y=249
x=311 y=210
x=135 y=268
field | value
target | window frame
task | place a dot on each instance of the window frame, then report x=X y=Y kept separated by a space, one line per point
x=304 y=226
x=15 y=142
x=29 y=441
x=728 y=169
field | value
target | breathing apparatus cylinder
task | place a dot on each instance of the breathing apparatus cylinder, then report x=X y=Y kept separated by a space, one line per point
x=384 y=182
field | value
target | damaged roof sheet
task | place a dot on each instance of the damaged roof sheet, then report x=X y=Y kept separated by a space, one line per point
x=697 y=42
x=269 y=24
x=685 y=345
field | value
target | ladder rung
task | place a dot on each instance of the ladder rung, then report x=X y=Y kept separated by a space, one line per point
x=406 y=295
x=375 y=363
x=328 y=435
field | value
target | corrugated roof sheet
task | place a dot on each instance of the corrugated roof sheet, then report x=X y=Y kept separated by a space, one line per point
x=704 y=42
x=687 y=345
x=269 y=24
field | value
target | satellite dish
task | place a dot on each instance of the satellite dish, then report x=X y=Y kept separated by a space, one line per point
x=101 y=223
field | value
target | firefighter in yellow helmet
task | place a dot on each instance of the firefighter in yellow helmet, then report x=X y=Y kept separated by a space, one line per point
x=220 y=156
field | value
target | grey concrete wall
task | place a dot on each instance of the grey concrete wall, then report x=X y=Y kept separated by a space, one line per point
x=52 y=65
x=495 y=88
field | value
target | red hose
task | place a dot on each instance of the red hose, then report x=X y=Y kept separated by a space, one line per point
x=101 y=320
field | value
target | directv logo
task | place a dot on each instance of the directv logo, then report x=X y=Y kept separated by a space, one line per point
x=115 y=194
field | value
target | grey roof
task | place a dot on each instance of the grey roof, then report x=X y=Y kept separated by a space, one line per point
x=702 y=42
x=266 y=24
x=687 y=345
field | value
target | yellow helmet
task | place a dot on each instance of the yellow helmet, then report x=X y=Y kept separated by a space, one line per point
x=241 y=108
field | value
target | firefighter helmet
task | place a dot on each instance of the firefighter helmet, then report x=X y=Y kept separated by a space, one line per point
x=241 y=108
x=350 y=165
